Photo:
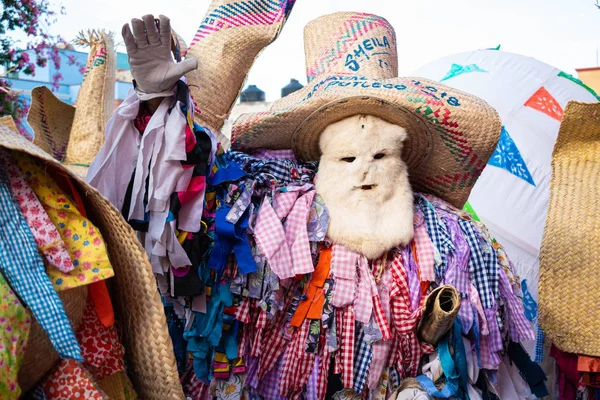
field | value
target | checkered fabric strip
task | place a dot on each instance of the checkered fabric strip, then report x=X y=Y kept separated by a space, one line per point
x=489 y=359
x=296 y=234
x=363 y=355
x=344 y=271
x=467 y=315
x=495 y=337
x=242 y=313
x=24 y=269
x=348 y=326
x=283 y=171
x=394 y=379
x=272 y=337
x=311 y=391
x=519 y=326
x=382 y=349
x=457 y=272
x=539 y=345
x=343 y=262
x=297 y=364
x=407 y=350
x=478 y=264
x=283 y=203
x=381 y=320
x=412 y=275
x=476 y=302
x=271 y=240
x=363 y=304
x=337 y=327
x=425 y=254
x=324 y=364
x=438 y=233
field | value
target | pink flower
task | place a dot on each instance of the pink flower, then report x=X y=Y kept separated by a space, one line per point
x=81 y=277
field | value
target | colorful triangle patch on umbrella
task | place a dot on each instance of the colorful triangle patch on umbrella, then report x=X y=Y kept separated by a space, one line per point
x=543 y=101
x=508 y=157
x=457 y=69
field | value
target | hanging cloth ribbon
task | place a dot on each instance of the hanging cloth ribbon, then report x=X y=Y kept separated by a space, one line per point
x=230 y=237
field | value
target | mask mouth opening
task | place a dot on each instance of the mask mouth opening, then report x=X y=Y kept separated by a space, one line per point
x=366 y=187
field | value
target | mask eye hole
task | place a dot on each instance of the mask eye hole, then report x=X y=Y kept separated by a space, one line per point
x=348 y=159
x=379 y=156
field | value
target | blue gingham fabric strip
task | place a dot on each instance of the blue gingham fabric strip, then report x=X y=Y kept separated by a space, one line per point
x=539 y=346
x=438 y=233
x=24 y=269
x=363 y=355
x=284 y=171
x=480 y=263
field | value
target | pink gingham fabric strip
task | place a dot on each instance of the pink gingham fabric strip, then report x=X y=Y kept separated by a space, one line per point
x=271 y=241
x=296 y=234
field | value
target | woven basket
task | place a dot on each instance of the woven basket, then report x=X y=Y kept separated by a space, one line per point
x=439 y=313
x=569 y=288
x=138 y=307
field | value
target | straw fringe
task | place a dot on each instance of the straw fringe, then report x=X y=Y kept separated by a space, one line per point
x=569 y=294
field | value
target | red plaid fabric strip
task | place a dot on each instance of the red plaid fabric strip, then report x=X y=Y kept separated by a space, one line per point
x=270 y=238
x=263 y=318
x=381 y=319
x=324 y=363
x=347 y=346
x=273 y=339
x=297 y=365
x=381 y=349
x=243 y=312
x=343 y=269
x=407 y=349
x=339 y=366
x=296 y=234
x=425 y=255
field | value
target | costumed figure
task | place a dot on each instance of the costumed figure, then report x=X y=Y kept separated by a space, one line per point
x=326 y=255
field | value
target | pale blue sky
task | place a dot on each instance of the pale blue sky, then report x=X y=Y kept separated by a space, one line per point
x=563 y=33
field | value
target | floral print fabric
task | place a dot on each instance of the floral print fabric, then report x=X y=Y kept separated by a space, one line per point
x=70 y=381
x=46 y=236
x=84 y=241
x=14 y=330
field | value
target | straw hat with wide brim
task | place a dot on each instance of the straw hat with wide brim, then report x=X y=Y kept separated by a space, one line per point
x=138 y=307
x=352 y=68
x=231 y=36
x=74 y=135
x=569 y=288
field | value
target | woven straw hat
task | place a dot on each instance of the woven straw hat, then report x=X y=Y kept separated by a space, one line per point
x=74 y=135
x=231 y=36
x=569 y=293
x=352 y=68
x=138 y=307
x=439 y=311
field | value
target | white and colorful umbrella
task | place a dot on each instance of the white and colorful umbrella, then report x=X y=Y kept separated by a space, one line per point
x=511 y=196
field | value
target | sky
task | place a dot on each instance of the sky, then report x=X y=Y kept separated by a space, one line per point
x=562 y=33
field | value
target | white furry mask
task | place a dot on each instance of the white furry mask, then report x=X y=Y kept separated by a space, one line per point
x=364 y=184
